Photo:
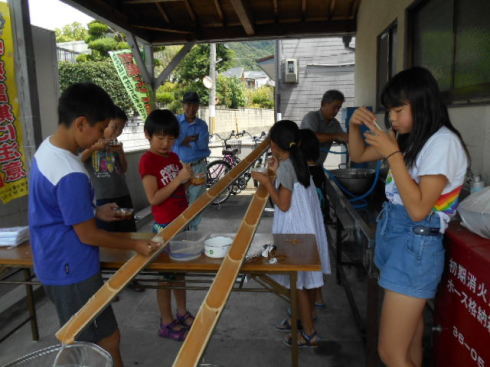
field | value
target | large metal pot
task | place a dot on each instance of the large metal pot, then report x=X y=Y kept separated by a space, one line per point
x=355 y=180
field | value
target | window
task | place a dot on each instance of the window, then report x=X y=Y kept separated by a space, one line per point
x=386 y=63
x=451 y=39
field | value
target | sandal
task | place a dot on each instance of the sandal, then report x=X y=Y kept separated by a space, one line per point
x=304 y=340
x=185 y=320
x=285 y=325
x=173 y=331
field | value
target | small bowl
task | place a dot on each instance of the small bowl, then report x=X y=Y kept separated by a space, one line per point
x=217 y=247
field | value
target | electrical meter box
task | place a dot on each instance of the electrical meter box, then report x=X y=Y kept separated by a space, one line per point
x=291 y=71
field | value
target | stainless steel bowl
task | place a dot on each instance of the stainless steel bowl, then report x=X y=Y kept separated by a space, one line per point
x=356 y=180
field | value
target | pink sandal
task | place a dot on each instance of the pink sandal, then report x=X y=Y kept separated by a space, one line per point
x=185 y=320
x=172 y=331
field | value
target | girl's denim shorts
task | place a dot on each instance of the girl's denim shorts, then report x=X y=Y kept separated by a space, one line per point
x=409 y=255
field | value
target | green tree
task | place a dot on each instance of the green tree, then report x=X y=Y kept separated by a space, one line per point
x=101 y=73
x=262 y=97
x=101 y=39
x=195 y=66
x=169 y=96
x=71 y=32
x=231 y=92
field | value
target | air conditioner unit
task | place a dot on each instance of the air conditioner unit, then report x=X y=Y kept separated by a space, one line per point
x=291 y=71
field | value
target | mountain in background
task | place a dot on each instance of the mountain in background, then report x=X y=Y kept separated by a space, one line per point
x=247 y=52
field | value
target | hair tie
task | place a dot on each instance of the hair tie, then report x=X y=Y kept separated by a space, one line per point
x=292 y=144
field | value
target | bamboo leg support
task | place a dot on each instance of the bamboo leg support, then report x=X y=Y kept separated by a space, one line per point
x=96 y=304
x=196 y=341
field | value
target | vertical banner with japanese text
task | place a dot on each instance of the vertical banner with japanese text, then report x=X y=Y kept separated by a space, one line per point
x=13 y=167
x=130 y=76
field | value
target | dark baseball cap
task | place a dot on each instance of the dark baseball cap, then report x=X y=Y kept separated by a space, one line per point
x=191 y=97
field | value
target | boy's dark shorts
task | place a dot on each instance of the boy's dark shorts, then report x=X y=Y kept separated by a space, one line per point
x=68 y=299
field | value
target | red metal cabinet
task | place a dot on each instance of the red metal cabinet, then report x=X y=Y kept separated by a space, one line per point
x=463 y=302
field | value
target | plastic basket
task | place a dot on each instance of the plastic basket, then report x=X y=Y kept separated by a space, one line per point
x=80 y=354
x=234 y=144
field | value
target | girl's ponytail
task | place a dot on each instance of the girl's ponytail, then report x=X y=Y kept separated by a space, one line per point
x=299 y=164
x=285 y=134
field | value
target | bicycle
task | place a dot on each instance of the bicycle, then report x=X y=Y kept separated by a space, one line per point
x=219 y=168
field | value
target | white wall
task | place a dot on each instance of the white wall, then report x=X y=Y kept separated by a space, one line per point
x=375 y=16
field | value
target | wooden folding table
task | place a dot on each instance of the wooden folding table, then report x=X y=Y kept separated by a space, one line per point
x=295 y=252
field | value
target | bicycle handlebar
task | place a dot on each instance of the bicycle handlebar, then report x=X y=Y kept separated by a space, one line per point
x=232 y=134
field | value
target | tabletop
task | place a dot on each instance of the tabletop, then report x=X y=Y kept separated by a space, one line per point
x=295 y=252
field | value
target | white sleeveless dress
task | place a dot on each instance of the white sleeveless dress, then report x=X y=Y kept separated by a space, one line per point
x=304 y=217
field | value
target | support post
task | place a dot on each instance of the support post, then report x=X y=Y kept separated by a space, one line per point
x=26 y=76
x=175 y=61
x=212 y=92
x=139 y=59
x=150 y=68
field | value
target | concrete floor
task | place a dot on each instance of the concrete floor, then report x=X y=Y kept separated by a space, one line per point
x=245 y=334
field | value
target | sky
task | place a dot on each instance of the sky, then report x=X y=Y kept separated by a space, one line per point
x=51 y=14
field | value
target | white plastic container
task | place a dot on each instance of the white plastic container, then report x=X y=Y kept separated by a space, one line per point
x=217 y=246
x=187 y=245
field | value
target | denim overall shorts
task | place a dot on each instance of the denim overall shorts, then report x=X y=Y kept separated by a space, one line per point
x=408 y=254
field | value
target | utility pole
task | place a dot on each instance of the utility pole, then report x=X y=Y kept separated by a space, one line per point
x=212 y=92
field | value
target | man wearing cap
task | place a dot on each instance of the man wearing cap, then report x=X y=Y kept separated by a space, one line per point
x=192 y=147
x=324 y=124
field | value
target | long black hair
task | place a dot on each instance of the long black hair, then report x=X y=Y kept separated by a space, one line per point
x=419 y=88
x=285 y=134
x=309 y=145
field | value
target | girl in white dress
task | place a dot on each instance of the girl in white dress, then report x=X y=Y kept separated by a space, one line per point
x=297 y=211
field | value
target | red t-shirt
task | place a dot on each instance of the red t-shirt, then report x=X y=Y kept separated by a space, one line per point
x=164 y=169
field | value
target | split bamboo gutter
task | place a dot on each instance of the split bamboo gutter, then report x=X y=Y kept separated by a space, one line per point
x=200 y=333
x=96 y=304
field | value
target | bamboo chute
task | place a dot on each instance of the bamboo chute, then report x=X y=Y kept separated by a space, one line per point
x=96 y=304
x=206 y=319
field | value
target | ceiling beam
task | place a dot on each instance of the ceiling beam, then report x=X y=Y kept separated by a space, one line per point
x=162 y=12
x=243 y=16
x=274 y=2
x=163 y=29
x=136 y=2
x=190 y=11
x=219 y=11
x=303 y=9
x=104 y=12
x=331 y=9
x=263 y=31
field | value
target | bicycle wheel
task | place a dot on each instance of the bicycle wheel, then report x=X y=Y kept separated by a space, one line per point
x=216 y=171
